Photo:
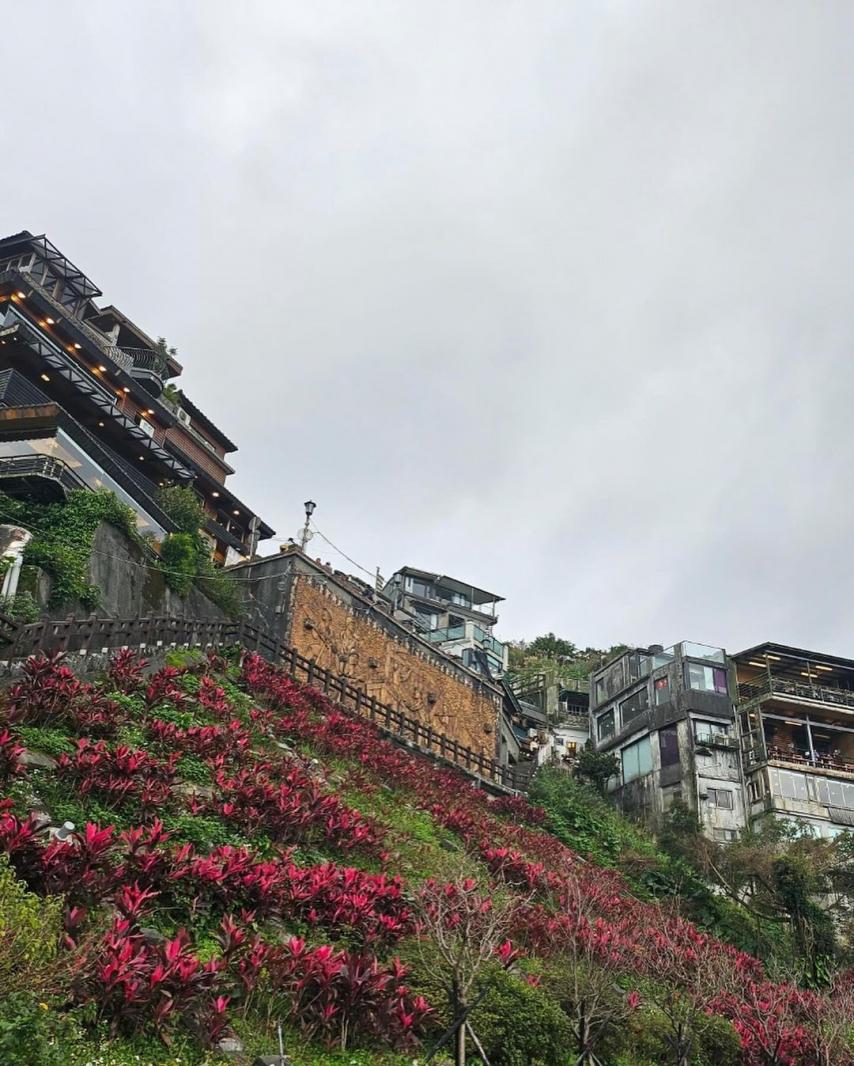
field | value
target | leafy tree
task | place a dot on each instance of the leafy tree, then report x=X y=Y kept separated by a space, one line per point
x=551 y=647
x=183 y=506
x=597 y=767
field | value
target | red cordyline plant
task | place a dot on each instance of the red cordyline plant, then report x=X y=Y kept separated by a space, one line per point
x=136 y=986
x=125 y=671
x=207 y=742
x=44 y=693
x=289 y=806
x=164 y=687
x=340 y=996
x=120 y=773
x=10 y=756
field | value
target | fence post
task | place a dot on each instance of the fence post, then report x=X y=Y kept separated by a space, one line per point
x=312 y=666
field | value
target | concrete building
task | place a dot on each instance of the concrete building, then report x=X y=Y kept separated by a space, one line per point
x=669 y=717
x=87 y=401
x=456 y=616
x=796 y=718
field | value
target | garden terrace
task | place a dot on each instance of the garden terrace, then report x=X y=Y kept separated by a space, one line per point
x=217 y=881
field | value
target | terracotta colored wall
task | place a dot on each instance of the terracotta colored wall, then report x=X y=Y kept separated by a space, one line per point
x=397 y=669
x=196 y=452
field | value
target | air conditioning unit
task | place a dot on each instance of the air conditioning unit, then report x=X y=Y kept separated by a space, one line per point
x=183 y=417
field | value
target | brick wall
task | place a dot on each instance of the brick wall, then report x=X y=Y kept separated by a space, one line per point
x=196 y=452
x=391 y=664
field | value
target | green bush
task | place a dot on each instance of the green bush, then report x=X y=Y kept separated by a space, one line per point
x=520 y=1025
x=64 y=534
x=22 y=607
x=179 y=556
x=183 y=506
x=32 y=1033
x=29 y=937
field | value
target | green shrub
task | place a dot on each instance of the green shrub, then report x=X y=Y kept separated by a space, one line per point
x=63 y=537
x=30 y=928
x=520 y=1025
x=22 y=607
x=183 y=506
x=50 y=741
x=179 y=558
x=32 y=1033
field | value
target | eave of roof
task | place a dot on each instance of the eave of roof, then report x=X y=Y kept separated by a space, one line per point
x=452 y=583
x=112 y=311
x=785 y=650
x=200 y=416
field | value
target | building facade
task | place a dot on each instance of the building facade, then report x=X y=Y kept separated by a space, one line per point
x=86 y=401
x=796 y=719
x=669 y=717
x=456 y=616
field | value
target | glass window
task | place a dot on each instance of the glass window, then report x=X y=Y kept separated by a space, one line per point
x=720 y=797
x=707 y=678
x=639 y=665
x=668 y=743
x=637 y=759
x=703 y=731
x=636 y=704
x=661 y=688
x=726 y=834
x=605 y=725
x=63 y=447
x=792 y=785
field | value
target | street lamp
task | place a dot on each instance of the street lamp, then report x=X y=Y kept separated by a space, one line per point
x=309 y=511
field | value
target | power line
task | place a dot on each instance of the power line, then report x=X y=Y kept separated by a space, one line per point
x=371 y=573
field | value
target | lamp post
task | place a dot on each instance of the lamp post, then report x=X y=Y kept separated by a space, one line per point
x=306 y=534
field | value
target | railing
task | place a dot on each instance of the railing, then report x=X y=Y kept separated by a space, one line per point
x=748 y=692
x=46 y=466
x=139 y=359
x=437 y=636
x=119 y=357
x=96 y=635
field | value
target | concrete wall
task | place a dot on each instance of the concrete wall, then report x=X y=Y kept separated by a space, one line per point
x=328 y=619
x=130 y=586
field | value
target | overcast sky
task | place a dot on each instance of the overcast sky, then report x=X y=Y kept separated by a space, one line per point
x=555 y=298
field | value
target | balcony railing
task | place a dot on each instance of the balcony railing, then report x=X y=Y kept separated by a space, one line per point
x=40 y=467
x=748 y=692
x=478 y=635
x=144 y=361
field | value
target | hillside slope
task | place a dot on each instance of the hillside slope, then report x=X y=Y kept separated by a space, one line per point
x=246 y=854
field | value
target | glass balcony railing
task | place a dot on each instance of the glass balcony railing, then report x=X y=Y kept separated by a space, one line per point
x=702 y=651
x=471 y=632
x=439 y=636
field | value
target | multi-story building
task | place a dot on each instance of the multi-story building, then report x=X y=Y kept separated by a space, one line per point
x=85 y=402
x=796 y=717
x=668 y=715
x=453 y=614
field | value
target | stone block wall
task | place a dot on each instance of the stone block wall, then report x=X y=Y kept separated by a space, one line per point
x=325 y=618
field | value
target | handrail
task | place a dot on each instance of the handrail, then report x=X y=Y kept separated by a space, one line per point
x=49 y=466
x=94 y=635
x=752 y=690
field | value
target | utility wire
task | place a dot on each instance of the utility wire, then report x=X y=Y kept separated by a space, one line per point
x=364 y=569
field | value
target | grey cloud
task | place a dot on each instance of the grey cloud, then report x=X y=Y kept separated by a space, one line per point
x=555 y=297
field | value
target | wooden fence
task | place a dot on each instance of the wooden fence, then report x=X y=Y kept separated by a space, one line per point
x=97 y=635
